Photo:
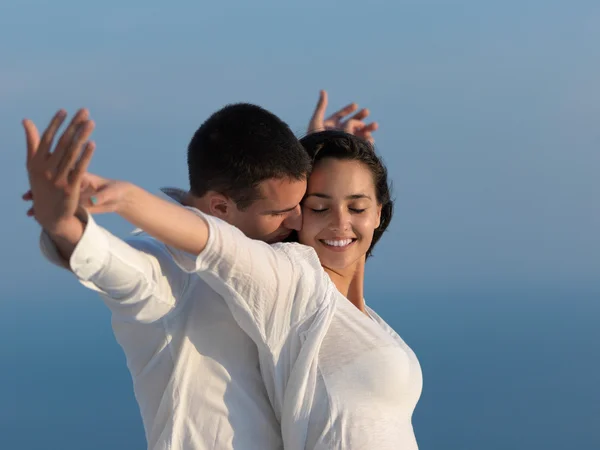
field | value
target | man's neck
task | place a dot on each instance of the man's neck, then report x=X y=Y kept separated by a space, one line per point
x=200 y=203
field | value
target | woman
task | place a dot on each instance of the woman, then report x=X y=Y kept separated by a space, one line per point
x=337 y=375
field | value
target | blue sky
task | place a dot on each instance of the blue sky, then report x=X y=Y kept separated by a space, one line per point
x=489 y=118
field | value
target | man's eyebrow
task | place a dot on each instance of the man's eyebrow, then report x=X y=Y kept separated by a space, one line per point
x=348 y=197
x=282 y=211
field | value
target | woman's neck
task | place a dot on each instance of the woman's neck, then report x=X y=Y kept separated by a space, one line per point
x=350 y=282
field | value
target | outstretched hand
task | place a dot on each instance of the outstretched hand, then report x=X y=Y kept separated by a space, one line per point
x=98 y=195
x=59 y=181
x=339 y=121
x=55 y=174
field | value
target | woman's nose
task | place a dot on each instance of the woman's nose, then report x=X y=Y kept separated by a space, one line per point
x=340 y=220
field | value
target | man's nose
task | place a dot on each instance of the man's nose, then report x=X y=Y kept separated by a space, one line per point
x=294 y=219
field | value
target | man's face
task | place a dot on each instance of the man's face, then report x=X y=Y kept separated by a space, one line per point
x=276 y=214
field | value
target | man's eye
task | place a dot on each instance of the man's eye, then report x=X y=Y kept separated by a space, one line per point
x=318 y=210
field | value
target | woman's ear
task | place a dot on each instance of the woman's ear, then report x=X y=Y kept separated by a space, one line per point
x=378 y=221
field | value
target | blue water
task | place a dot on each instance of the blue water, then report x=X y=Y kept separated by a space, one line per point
x=502 y=370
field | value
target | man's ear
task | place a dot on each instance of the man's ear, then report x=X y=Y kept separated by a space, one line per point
x=219 y=205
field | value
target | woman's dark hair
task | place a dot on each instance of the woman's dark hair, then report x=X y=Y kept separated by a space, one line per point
x=339 y=145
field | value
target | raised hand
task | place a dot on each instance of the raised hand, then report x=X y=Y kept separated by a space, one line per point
x=55 y=174
x=339 y=121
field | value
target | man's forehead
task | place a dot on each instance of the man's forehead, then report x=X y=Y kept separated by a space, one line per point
x=274 y=188
x=277 y=193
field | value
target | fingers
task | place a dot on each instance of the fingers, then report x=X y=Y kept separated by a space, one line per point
x=367 y=137
x=316 y=121
x=366 y=132
x=357 y=118
x=90 y=185
x=373 y=126
x=45 y=144
x=81 y=167
x=340 y=114
x=367 y=129
x=28 y=197
x=101 y=202
x=352 y=126
x=32 y=137
x=71 y=154
x=361 y=115
x=93 y=180
x=358 y=128
x=88 y=180
x=66 y=139
x=321 y=105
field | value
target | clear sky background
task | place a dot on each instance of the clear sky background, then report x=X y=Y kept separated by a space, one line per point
x=489 y=114
x=489 y=119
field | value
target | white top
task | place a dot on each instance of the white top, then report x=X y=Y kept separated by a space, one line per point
x=337 y=378
x=195 y=372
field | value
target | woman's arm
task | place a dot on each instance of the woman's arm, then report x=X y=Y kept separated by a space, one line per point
x=172 y=224
x=268 y=288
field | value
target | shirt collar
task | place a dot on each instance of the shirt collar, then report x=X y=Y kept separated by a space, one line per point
x=175 y=194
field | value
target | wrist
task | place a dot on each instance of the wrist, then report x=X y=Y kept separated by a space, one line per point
x=70 y=230
x=127 y=198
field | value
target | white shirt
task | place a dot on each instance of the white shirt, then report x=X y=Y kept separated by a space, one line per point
x=195 y=372
x=337 y=378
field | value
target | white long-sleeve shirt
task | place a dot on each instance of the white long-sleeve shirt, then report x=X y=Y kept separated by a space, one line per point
x=337 y=378
x=195 y=372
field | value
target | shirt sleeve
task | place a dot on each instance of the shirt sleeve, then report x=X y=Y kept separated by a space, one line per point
x=269 y=288
x=138 y=279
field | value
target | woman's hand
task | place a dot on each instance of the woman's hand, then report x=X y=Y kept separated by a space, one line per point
x=98 y=195
x=339 y=120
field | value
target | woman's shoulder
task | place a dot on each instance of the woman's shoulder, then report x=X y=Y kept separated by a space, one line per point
x=309 y=272
x=299 y=252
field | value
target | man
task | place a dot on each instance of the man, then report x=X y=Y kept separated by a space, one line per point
x=195 y=372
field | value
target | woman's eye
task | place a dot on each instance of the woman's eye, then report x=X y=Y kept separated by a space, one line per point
x=318 y=210
x=357 y=210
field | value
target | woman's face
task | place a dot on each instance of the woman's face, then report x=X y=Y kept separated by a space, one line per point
x=340 y=212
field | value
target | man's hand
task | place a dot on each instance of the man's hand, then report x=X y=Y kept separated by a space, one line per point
x=338 y=121
x=55 y=174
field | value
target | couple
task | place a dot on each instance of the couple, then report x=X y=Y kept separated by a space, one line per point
x=234 y=339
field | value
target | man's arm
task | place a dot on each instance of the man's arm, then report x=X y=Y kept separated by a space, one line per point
x=137 y=278
x=140 y=281
x=67 y=237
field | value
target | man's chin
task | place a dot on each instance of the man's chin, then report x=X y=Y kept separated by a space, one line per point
x=291 y=237
x=283 y=237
